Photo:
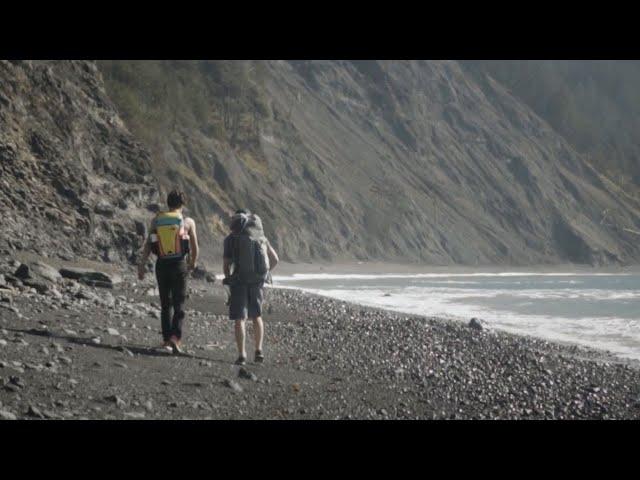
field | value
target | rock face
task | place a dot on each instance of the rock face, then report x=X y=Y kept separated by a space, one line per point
x=65 y=155
x=390 y=160
x=383 y=159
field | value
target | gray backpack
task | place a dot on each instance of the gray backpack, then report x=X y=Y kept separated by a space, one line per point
x=250 y=257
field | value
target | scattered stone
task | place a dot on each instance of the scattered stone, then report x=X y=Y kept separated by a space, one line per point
x=476 y=324
x=40 y=286
x=235 y=386
x=17 y=381
x=103 y=207
x=243 y=373
x=200 y=406
x=55 y=293
x=11 y=308
x=34 y=412
x=135 y=415
x=113 y=331
x=31 y=366
x=116 y=399
x=91 y=277
x=7 y=415
x=86 y=295
x=37 y=271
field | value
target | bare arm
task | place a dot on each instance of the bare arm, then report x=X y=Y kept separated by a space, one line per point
x=193 y=244
x=226 y=267
x=273 y=257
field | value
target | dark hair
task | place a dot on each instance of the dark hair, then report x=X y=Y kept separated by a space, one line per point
x=242 y=210
x=176 y=199
x=236 y=225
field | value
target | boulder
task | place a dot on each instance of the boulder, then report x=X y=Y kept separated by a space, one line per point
x=89 y=277
x=477 y=324
x=37 y=271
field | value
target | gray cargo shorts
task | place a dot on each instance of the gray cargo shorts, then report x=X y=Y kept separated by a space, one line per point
x=245 y=301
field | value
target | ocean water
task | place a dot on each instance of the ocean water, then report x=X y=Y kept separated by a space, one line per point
x=599 y=310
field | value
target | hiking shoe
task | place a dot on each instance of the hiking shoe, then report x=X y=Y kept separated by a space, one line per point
x=259 y=357
x=176 y=345
x=165 y=347
x=241 y=360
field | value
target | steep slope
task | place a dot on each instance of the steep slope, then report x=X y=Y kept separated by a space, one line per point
x=73 y=179
x=395 y=160
x=594 y=104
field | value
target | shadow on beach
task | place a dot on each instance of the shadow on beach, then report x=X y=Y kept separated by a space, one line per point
x=123 y=348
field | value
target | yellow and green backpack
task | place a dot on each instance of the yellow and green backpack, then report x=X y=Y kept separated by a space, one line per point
x=169 y=238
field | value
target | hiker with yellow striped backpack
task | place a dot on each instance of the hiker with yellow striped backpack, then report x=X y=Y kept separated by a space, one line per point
x=172 y=238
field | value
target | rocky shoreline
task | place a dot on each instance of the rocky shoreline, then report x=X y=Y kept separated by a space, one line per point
x=71 y=348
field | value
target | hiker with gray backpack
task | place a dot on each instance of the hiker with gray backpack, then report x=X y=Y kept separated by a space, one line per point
x=252 y=257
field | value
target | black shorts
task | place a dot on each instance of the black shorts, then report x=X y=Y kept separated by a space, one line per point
x=246 y=301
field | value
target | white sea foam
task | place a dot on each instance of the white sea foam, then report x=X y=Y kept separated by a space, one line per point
x=354 y=276
x=603 y=316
